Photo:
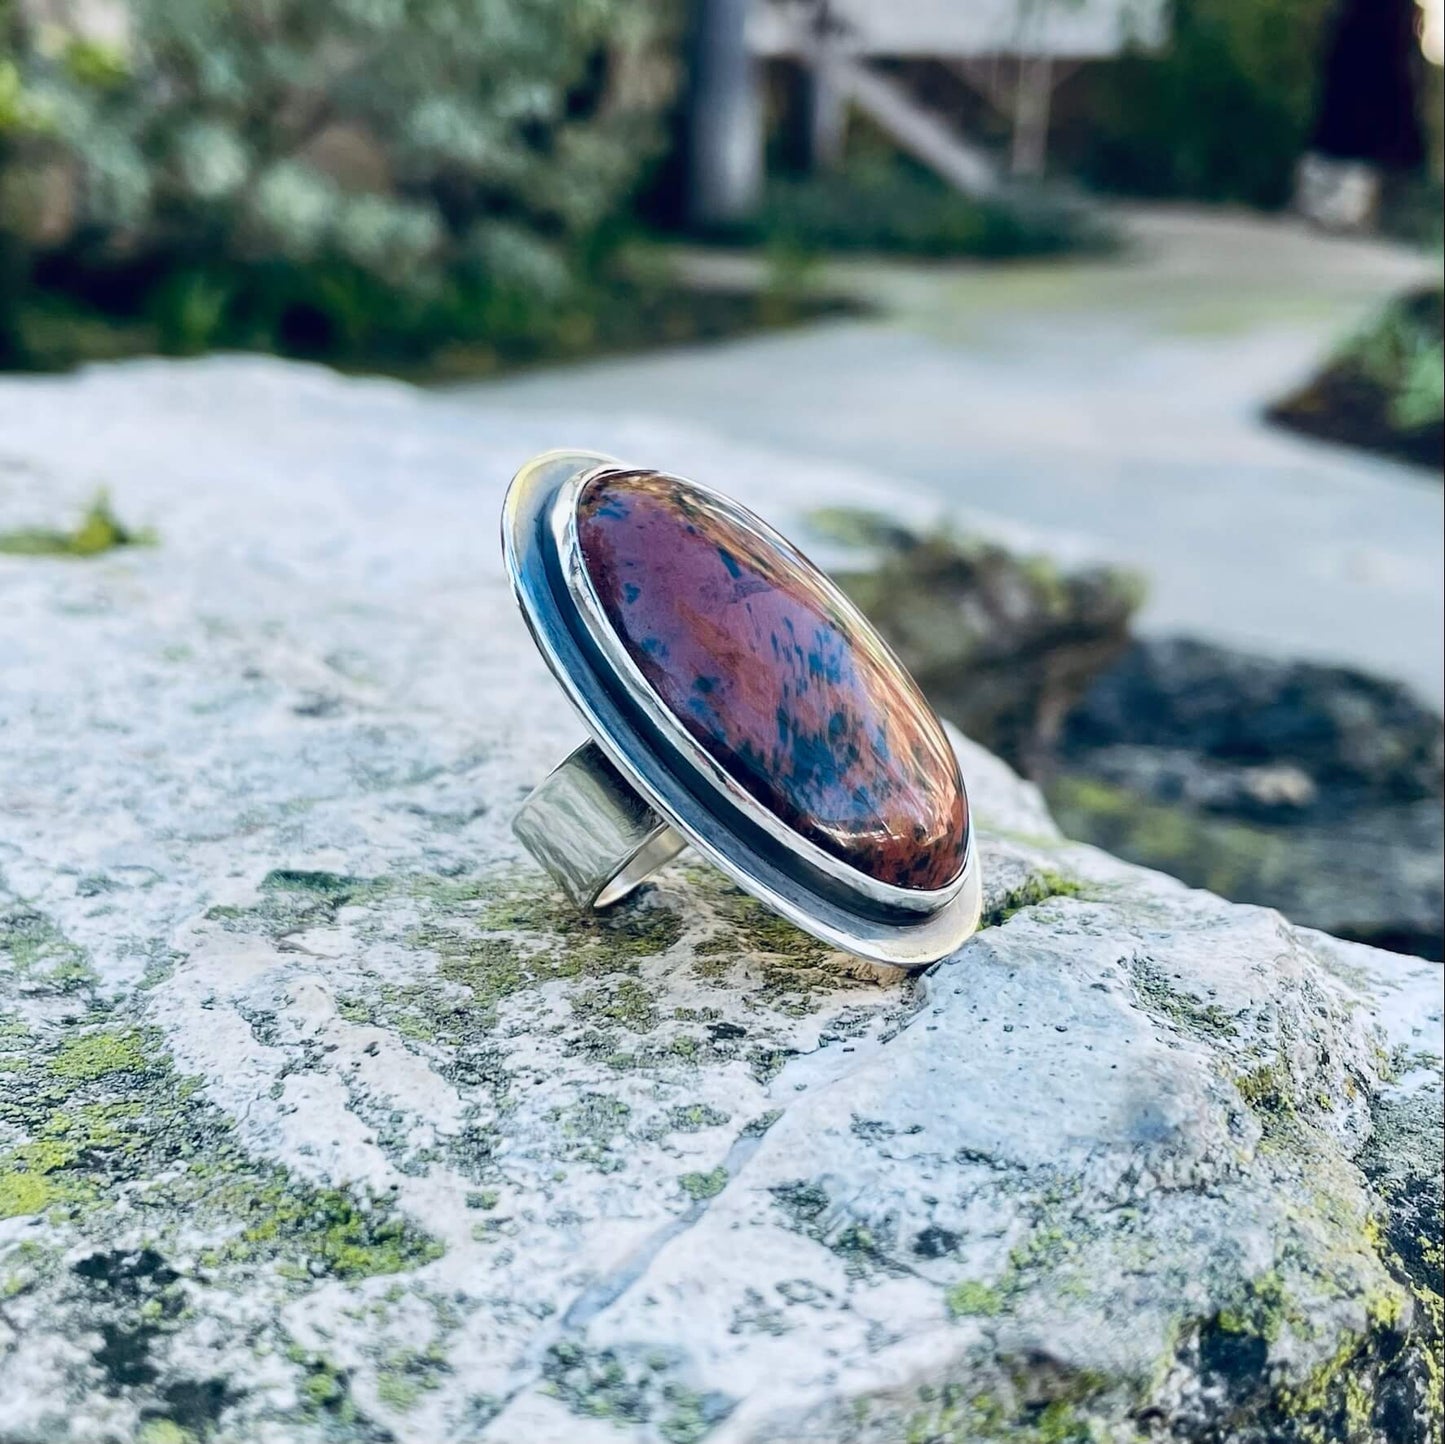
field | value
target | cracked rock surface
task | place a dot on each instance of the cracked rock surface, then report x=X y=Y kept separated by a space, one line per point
x=323 y=1118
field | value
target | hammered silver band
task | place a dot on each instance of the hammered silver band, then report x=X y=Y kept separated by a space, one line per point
x=595 y=836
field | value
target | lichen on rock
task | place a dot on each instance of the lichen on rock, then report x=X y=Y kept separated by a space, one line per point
x=323 y=1118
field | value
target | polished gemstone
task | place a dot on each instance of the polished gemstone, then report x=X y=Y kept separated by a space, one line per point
x=757 y=655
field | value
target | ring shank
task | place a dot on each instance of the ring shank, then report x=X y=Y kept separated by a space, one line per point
x=590 y=830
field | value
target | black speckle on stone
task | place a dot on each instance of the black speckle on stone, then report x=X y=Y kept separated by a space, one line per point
x=1402 y=1402
x=934 y=1242
x=124 y=1355
x=127 y=1271
x=317 y=704
x=805 y=1204
x=1234 y=1361
x=871 y=1130
x=329 y=885
x=123 y=1281
x=195 y=1404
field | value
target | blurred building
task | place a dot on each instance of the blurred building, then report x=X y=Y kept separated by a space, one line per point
x=1011 y=53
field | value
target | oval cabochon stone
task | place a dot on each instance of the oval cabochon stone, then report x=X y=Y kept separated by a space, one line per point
x=747 y=644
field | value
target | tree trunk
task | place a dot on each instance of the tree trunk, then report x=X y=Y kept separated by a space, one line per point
x=1031 y=115
x=15 y=265
x=826 y=111
x=726 y=117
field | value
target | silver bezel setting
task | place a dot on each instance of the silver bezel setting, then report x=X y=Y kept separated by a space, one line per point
x=671 y=771
x=584 y=593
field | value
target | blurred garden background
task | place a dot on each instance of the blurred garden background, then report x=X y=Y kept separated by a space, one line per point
x=1144 y=296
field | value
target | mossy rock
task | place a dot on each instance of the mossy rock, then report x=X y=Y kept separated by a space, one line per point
x=323 y=1118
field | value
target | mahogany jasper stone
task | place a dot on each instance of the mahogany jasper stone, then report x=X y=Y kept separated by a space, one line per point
x=749 y=646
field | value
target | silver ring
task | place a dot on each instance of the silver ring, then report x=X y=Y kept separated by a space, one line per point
x=592 y=832
x=737 y=703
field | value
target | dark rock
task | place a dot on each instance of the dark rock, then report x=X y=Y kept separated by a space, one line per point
x=1265 y=791
x=1312 y=789
x=1353 y=736
x=1004 y=646
x=195 y=1405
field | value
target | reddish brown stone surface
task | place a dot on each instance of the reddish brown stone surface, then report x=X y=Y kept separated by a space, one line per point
x=747 y=644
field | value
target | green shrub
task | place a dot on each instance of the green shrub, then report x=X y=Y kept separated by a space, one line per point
x=1404 y=357
x=1384 y=389
x=885 y=203
x=184 y=162
x=1221 y=113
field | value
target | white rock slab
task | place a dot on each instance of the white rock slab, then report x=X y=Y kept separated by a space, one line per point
x=322 y=1118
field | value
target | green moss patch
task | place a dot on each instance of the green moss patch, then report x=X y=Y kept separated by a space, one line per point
x=34 y=950
x=94 y=1112
x=404 y=1377
x=701 y=1186
x=1158 y=996
x=105 y=1109
x=492 y=938
x=605 y=1384
x=1382 y=390
x=94 y=1055
x=1039 y=888
x=1023 y=1407
x=972 y=1299
x=99 y=530
x=1225 y=856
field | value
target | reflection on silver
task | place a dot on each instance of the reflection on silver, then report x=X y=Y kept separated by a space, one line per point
x=592 y=832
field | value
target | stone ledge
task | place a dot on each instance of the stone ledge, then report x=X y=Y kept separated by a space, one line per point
x=322 y=1118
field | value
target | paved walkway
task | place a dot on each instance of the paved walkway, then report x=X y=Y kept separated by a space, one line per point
x=1104 y=409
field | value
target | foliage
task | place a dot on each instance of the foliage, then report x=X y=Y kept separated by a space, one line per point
x=1221 y=113
x=1412 y=209
x=409 y=145
x=1402 y=355
x=333 y=311
x=1385 y=387
x=886 y=203
x=1003 y=645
